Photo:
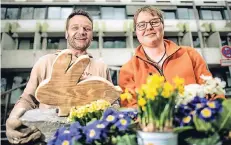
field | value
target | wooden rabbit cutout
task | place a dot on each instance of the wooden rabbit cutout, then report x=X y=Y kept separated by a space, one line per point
x=64 y=90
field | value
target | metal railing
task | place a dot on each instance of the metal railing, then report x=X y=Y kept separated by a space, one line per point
x=7 y=95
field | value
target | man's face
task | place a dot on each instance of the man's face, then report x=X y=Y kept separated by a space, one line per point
x=149 y=29
x=79 y=32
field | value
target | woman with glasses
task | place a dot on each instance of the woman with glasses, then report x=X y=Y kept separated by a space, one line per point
x=158 y=55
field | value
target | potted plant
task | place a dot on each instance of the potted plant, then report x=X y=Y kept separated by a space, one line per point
x=156 y=104
x=202 y=117
x=99 y=126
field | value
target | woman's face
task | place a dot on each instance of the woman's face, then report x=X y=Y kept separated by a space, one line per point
x=149 y=29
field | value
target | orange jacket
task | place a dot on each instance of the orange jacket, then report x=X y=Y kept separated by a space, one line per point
x=182 y=61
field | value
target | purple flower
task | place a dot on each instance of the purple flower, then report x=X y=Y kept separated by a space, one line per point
x=184 y=110
x=197 y=103
x=133 y=114
x=59 y=131
x=206 y=114
x=187 y=120
x=75 y=130
x=123 y=123
x=96 y=130
x=215 y=106
x=110 y=115
x=122 y=114
x=199 y=100
x=91 y=132
x=108 y=112
x=64 y=138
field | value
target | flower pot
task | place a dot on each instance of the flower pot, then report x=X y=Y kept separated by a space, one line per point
x=154 y=138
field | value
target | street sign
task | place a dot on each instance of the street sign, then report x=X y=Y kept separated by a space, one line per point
x=226 y=51
x=225 y=62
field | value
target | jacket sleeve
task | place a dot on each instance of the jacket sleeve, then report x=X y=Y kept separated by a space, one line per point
x=126 y=81
x=27 y=100
x=199 y=65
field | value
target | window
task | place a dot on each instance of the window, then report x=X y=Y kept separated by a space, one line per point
x=172 y=38
x=119 y=13
x=138 y=0
x=94 y=11
x=54 y=12
x=3 y=13
x=191 y=14
x=217 y=15
x=25 y=43
x=224 y=40
x=39 y=13
x=112 y=13
x=206 y=15
x=114 y=42
x=169 y=15
x=185 y=13
x=226 y=14
x=65 y=12
x=94 y=43
x=107 y=12
x=12 y=13
x=62 y=43
x=27 y=13
x=136 y=42
x=53 y=43
x=212 y=14
x=196 y=42
x=182 y=13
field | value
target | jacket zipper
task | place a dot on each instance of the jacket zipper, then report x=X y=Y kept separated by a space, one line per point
x=158 y=69
x=161 y=71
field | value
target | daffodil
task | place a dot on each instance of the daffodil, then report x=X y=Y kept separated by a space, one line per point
x=179 y=84
x=126 y=96
x=167 y=90
x=151 y=92
x=140 y=92
x=155 y=80
x=178 y=81
x=142 y=102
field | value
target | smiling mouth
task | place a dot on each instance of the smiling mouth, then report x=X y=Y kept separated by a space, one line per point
x=150 y=34
x=80 y=38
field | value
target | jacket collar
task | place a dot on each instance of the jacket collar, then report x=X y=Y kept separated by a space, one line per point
x=171 y=48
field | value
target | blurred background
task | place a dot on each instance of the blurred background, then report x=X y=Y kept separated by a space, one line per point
x=33 y=28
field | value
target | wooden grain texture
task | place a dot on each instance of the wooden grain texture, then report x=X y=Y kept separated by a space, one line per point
x=64 y=90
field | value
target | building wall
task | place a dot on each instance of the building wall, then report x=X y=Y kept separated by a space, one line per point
x=33 y=28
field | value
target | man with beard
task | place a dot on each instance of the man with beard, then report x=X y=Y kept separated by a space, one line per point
x=79 y=33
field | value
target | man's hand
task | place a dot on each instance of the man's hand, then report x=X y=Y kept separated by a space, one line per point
x=17 y=133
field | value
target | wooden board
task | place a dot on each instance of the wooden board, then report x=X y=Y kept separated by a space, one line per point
x=63 y=88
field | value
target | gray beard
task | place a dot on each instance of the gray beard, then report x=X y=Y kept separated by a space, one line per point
x=72 y=44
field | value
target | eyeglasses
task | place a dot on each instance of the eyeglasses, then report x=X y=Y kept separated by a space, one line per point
x=143 y=25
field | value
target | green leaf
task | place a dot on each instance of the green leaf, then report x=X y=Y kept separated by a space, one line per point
x=206 y=140
x=164 y=115
x=182 y=129
x=127 y=140
x=224 y=119
x=97 y=143
x=201 y=125
x=77 y=143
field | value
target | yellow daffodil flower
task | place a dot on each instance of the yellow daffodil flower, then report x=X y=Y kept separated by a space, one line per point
x=126 y=95
x=167 y=90
x=155 y=80
x=142 y=102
